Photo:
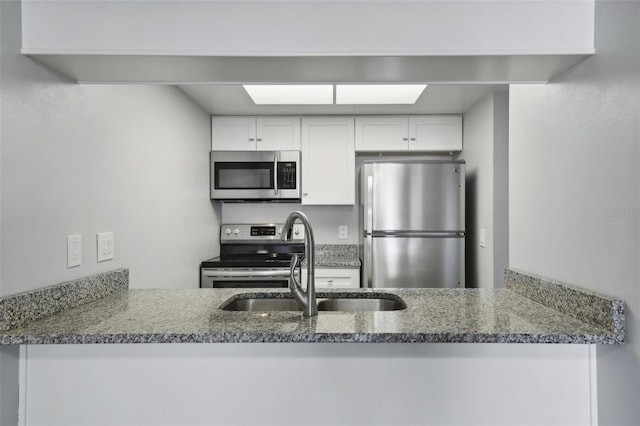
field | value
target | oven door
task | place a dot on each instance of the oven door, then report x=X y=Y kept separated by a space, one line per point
x=244 y=278
x=255 y=175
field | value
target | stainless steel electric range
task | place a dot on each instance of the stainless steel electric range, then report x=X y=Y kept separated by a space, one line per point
x=252 y=256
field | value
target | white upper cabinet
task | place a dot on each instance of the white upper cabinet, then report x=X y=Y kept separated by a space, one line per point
x=255 y=133
x=381 y=133
x=328 y=161
x=233 y=134
x=432 y=133
x=278 y=133
x=435 y=133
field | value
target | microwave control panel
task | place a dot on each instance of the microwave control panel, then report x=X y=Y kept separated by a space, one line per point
x=287 y=175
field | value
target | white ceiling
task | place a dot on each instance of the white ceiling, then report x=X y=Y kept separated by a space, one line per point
x=232 y=99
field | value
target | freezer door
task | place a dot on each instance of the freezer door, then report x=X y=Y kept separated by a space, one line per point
x=414 y=262
x=413 y=196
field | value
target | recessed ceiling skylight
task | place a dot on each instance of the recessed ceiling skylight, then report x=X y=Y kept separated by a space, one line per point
x=290 y=94
x=376 y=94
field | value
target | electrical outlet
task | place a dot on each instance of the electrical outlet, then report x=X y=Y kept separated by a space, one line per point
x=297 y=231
x=105 y=246
x=483 y=237
x=343 y=232
x=74 y=250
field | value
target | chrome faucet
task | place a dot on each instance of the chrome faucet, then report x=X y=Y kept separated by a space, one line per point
x=306 y=299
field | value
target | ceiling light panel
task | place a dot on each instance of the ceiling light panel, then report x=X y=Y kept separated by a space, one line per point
x=290 y=94
x=378 y=94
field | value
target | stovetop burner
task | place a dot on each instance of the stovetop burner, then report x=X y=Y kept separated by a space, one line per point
x=243 y=262
x=251 y=249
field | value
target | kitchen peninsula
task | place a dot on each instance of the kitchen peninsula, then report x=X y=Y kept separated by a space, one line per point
x=409 y=383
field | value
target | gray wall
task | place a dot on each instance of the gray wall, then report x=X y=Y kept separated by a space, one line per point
x=574 y=176
x=83 y=159
x=485 y=152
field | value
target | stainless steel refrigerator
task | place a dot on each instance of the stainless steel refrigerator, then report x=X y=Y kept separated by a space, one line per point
x=412 y=224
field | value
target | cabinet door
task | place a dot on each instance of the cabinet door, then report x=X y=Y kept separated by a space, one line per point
x=278 y=133
x=328 y=161
x=382 y=133
x=233 y=133
x=435 y=133
x=334 y=278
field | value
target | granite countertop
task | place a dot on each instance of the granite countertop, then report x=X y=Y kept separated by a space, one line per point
x=432 y=315
x=337 y=256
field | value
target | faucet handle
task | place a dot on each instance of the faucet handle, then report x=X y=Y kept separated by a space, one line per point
x=293 y=282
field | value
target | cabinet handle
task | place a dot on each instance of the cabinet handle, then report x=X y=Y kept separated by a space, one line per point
x=405 y=139
x=413 y=139
x=251 y=139
x=259 y=140
x=305 y=194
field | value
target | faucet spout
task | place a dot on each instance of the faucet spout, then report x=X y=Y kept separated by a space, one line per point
x=306 y=299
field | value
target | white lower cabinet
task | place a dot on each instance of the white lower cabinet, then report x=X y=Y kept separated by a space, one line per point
x=328 y=161
x=334 y=278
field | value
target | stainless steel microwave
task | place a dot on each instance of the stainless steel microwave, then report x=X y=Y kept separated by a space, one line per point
x=255 y=176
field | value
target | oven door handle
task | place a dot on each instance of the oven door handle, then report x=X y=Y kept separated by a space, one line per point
x=216 y=273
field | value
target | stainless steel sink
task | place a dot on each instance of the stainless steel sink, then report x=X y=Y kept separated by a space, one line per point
x=261 y=305
x=355 y=302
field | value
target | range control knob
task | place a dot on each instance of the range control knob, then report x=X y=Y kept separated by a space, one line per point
x=297 y=231
x=227 y=231
x=236 y=231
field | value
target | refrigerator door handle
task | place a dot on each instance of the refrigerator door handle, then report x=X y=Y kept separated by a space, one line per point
x=369 y=204
x=419 y=234
x=368 y=262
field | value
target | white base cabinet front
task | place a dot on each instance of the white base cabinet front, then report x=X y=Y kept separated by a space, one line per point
x=334 y=278
x=342 y=384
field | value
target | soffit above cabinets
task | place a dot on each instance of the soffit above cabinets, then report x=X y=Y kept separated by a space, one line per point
x=226 y=42
x=455 y=82
x=232 y=99
x=183 y=70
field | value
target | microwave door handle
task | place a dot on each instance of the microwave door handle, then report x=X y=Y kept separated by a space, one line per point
x=275 y=175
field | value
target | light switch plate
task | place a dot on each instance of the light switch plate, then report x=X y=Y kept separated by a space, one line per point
x=105 y=246
x=74 y=250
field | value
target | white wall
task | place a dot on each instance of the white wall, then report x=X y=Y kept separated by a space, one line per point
x=500 y=187
x=485 y=153
x=318 y=27
x=83 y=159
x=574 y=177
x=88 y=159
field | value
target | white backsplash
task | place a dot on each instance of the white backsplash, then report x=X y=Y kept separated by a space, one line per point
x=324 y=219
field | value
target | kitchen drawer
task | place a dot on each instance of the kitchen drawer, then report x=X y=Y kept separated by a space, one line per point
x=334 y=278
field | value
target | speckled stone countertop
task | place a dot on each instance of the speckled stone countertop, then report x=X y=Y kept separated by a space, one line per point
x=432 y=315
x=337 y=256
